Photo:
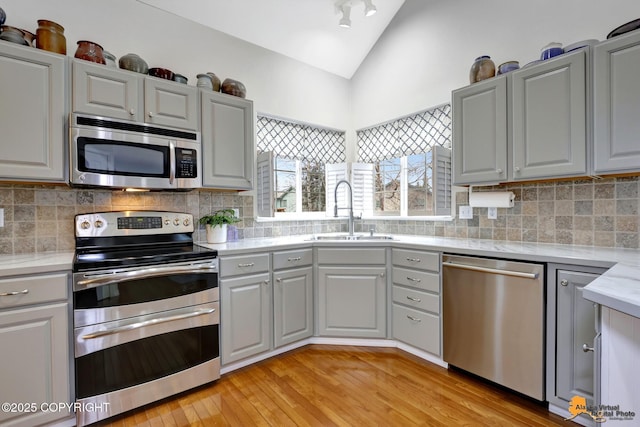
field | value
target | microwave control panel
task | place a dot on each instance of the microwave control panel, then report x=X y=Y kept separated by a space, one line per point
x=186 y=163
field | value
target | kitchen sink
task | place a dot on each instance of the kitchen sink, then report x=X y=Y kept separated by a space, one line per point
x=347 y=237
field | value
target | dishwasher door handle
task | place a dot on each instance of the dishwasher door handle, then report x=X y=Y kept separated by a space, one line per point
x=491 y=270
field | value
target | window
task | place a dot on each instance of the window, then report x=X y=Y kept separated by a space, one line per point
x=291 y=166
x=412 y=163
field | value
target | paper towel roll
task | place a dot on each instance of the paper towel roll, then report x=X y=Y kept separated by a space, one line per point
x=492 y=199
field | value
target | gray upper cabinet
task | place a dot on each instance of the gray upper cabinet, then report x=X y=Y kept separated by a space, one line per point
x=529 y=124
x=33 y=114
x=616 y=104
x=227 y=141
x=549 y=121
x=480 y=132
x=126 y=95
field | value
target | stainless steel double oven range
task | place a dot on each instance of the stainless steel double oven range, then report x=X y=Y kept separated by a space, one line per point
x=146 y=310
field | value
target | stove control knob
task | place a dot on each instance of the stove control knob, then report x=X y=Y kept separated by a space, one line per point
x=186 y=222
x=167 y=221
x=85 y=225
x=98 y=223
x=176 y=222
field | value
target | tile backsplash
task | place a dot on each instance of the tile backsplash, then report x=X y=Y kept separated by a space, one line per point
x=604 y=212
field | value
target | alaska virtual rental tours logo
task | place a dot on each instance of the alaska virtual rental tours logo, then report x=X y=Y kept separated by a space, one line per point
x=599 y=413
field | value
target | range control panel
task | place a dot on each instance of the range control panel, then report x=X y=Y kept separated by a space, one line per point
x=132 y=223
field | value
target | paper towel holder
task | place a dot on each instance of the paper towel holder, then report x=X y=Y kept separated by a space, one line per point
x=491 y=199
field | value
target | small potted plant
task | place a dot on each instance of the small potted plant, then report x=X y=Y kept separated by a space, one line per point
x=216 y=224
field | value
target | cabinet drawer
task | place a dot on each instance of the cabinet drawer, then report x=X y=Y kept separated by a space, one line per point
x=244 y=264
x=416 y=279
x=417 y=328
x=294 y=258
x=416 y=299
x=351 y=256
x=33 y=289
x=416 y=259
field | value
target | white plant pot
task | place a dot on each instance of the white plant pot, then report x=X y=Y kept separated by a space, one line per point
x=216 y=234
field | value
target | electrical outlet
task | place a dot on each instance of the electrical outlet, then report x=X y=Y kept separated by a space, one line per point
x=236 y=212
x=1 y=217
x=492 y=213
x=465 y=212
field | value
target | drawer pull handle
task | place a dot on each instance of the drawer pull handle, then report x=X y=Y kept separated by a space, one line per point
x=249 y=264
x=586 y=348
x=279 y=280
x=10 y=294
x=414 y=299
x=414 y=319
x=413 y=259
x=298 y=258
x=412 y=279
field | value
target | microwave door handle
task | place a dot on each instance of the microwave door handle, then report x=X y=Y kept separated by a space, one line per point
x=172 y=162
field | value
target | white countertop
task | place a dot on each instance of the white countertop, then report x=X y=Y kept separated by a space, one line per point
x=618 y=288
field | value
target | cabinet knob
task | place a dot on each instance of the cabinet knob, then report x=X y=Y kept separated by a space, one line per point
x=150 y=113
x=586 y=348
x=266 y=282
x=132 y=112
x=499 y=171
x=381 y=274
x=564 y=282
x=279 y=280
x=517 y=168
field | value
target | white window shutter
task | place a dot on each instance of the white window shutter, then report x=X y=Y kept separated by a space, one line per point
x=333 y=173
x=264 y=188
x=441 y=168
x=362 y=175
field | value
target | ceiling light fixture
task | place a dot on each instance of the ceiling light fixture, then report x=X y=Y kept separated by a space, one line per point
x=369 y=8
x=344 y=7
x=345 y=21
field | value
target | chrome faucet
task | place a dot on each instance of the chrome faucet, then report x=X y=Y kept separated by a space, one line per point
x=350 y=207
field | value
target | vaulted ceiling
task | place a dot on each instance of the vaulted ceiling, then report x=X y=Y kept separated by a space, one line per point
x=306 y=30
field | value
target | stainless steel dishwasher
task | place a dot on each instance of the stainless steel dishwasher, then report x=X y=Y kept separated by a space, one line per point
x=493 y=321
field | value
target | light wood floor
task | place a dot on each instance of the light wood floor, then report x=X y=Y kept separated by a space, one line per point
x=323 y=385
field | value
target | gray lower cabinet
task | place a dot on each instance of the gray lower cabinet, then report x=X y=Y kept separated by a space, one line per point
x=35 y=343
x=572 y=336
x=33 y=114
x=352 y=292
x=227 y=141
x=126 y=95
x=245 y=306
x=616 y=104
x=292 y=296
x=416 y=298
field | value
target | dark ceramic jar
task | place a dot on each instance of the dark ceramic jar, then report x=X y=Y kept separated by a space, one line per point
x=233 y=87
x=482 y=68
x=50 y=36
x=90 y=51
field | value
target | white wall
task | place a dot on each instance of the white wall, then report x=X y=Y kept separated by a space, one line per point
x=429 y=47
x=277 y=84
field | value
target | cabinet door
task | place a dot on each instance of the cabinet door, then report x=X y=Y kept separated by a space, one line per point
x=33 y=114
x=227 y=141
x=575 y=327
x=616 y=104
x=549 y=122
x=107 y=92
x=292 y=305
x=352 y=301
x=172 y=104
x=245 y=322
x=35 y=362
x=480 y=132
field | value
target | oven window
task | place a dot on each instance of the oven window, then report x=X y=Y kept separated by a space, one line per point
x=144 y=360
x=144 y=290
x=122 y=158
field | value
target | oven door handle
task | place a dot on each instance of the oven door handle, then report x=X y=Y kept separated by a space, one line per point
x=100 y=279
x=145 y=323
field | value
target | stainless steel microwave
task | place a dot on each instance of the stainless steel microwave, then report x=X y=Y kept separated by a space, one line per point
x=114 y=153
